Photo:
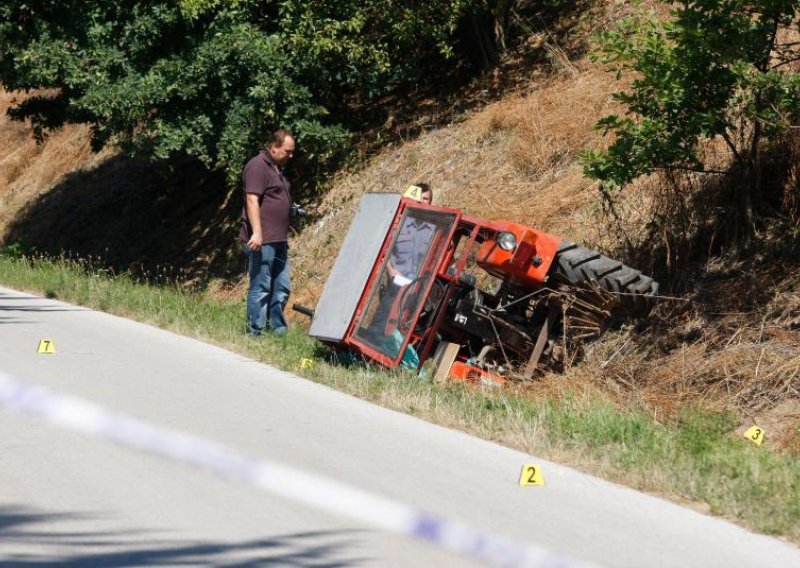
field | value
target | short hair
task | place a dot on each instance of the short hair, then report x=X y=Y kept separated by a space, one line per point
x=277 y=138
x=424 y=187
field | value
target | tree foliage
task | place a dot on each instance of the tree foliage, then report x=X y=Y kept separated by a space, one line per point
x=210 y=78
x=722 y=69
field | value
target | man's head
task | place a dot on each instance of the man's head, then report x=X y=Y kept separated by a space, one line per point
x=426 y=195
x=280 y=146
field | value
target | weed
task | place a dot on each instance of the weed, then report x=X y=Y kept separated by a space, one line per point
x=13 y=250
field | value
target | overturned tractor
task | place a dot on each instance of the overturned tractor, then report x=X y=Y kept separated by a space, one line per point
x=486 y=299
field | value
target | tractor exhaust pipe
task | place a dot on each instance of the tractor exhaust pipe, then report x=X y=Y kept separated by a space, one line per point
x=303 y=310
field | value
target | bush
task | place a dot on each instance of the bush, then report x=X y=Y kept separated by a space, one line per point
x=719 y=69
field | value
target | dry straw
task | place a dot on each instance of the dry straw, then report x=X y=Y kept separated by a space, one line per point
x=28 y=169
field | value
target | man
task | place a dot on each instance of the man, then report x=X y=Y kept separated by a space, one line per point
x=265 y=228
x=412 y=244
x=405 y=260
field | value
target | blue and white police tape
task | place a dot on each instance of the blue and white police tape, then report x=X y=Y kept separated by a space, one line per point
x=313 y=490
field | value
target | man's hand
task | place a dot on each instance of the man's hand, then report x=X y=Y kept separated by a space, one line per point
x=391 y=270
x=255 y=241
x=254 y=216
x=401 y=280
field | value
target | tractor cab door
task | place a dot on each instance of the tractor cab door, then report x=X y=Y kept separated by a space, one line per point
x=399 y=287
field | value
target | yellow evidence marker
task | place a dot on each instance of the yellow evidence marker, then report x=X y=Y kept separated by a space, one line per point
x=755 y=435
x=413 y=192
x=46 y=346
x=306 y=363
x=531 y=475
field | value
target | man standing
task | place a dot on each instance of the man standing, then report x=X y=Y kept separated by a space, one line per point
x=265 y=228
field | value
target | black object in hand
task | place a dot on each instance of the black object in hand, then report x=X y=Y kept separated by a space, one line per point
x=297 y=211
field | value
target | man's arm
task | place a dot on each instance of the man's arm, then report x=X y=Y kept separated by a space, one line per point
x=391 y=270
x=254 y=216
x=395 y=276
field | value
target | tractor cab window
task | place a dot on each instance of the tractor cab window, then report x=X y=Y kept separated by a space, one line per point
x=408 y=270
x=466 y=259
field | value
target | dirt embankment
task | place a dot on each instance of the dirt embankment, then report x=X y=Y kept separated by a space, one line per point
x=28 y=169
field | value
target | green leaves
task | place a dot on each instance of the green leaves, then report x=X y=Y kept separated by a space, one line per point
x=717 y=69
x=210 y=79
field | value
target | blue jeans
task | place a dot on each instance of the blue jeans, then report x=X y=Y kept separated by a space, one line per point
x=269 y=290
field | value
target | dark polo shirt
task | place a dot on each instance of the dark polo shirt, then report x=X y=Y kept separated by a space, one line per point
x=262 y=177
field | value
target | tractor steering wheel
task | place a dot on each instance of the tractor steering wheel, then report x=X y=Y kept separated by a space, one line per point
x=405 y=304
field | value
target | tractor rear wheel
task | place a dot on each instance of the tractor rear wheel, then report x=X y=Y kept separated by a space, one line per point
x=578 y=265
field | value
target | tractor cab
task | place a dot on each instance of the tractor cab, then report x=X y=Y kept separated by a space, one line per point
x=380 y=285
x=385 y=321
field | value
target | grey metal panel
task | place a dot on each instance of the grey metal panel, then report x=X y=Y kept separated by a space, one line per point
x=353 y=266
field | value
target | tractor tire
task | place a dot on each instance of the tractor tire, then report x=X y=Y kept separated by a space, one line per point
x=578 y=265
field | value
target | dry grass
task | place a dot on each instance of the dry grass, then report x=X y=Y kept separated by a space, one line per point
x=27 y=169
x=515 y=159
x=690 y=355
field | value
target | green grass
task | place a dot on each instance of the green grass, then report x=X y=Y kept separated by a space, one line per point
x=696 y=459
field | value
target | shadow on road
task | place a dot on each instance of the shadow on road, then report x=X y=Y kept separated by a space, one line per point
x=7 y=310
x=32 y=538
x=39 y=309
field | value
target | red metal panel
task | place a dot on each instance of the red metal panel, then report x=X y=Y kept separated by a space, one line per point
x=467 y=373
x=528 y=263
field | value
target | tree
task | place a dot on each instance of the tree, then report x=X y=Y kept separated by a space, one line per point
x=718 y=69
x=208 y=79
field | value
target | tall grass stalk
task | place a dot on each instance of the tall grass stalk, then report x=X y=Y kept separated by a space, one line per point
x=695 y=460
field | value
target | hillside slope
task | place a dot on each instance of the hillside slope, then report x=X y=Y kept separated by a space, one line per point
x=514 y=159
x=728 y=339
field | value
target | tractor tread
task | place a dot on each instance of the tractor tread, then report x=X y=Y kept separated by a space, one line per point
x=581 y=266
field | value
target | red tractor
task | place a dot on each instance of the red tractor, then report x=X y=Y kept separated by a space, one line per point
x=492 y=299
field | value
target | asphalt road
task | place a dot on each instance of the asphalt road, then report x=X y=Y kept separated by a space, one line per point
x=70 y=500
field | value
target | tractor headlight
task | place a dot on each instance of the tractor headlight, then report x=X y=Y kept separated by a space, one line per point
x=506 y=240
